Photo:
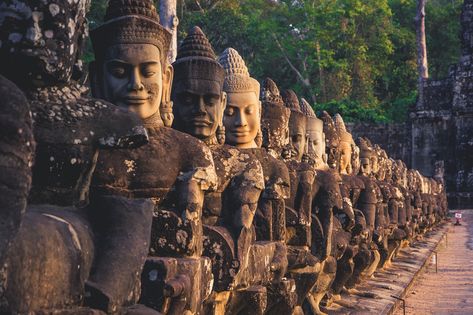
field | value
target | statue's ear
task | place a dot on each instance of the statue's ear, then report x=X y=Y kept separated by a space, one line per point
x=168 y=75
x=95 y=78
x=223 y=101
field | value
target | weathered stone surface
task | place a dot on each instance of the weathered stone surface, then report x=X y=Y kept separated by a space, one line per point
x=17 y=147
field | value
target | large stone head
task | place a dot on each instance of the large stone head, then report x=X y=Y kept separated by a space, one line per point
x=419 y=181
x=131 y=68
x=41 y=41
x=388 y=176
x=400 y=173
x=366 y=153
x=374 y=158
x=411 y=180
x=382 y=158
x=275 y=119
x=346 y=146
x=197 y=94
x=316 y=145
x=355 y=160
x=297 y=124
x=242 y=115
x=332 y=140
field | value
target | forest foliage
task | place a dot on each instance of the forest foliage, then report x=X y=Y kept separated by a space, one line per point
x=355 y=57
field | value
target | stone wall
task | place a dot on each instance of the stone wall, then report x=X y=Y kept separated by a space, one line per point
x=438 y=139
x=394 y=138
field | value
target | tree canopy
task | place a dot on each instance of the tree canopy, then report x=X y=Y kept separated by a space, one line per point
x=355 y=57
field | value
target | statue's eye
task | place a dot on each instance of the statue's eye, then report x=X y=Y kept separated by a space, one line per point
x=210 y=100
x=118 y=72
x=187 y=99
x=148 y=74
x=148 y=71
x=229 y=111
x=249 y=110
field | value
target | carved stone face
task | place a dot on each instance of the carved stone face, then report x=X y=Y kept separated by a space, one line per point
x=355 y=159
x=374 y=163
x=388 y=170
x=200 y=113
x=381 y=175
x=297 y=135
x=345 y=157
x=365 y=169
x=316 y=142
x=133 y=77
x=41 y=39
x=242 y=119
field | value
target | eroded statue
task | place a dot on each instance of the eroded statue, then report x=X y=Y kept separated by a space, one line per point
x=58 y=248
x=132 y=71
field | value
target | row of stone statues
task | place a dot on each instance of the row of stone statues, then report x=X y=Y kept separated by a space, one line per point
x=188 y=188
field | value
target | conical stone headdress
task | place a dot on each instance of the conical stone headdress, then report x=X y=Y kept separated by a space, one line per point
x=306 y=108
x=237 y=77
x=313 y=123
x=331 y=135
x=274 y=118
x=270 y=93
x=196 y=67
x=291 y=101
x=365 y=149
x=345 y=136
x=130 y=22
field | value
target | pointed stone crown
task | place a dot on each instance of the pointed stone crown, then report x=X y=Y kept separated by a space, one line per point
x=270 y=93
x=196 y=46
x=130 y=22
x=331 y=135
x=196 y=68
x=291 y=101
x=313 y=123
x=237 y=77
x=307 y=109
x=365 y=148
x=345 y=136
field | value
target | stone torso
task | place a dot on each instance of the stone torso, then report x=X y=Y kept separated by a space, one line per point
x=69 y=128
x=235 y=170
x=152 y=170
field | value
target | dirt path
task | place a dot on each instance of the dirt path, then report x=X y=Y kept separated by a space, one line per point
x=450 y=291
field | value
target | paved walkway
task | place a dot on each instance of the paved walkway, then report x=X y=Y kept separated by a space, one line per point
x=450 y=291
x=379 y=294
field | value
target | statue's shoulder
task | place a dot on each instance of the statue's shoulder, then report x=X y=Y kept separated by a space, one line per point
x=68 y=115
x=190 y=151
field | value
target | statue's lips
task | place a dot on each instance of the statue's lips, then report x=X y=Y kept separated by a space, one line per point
x=200 y=123
x=240 y=133
x=135 y=100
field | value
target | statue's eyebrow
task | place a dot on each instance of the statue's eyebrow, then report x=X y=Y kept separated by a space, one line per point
x=150 y=63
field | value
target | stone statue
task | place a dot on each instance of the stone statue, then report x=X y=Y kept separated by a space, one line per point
x=17 y=143
x=58 y=243
x=199 y=103
x=242 y=121
x=351 y=186
x=329 y=241
x=242 y=129
x=132 y=71
x=367 y=258
x=303 y=266
x=297 y=126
